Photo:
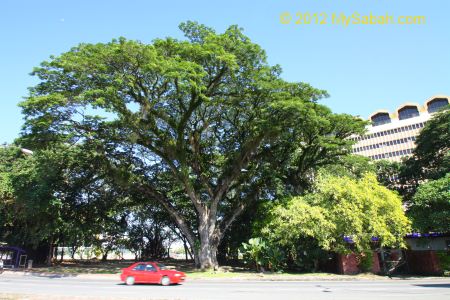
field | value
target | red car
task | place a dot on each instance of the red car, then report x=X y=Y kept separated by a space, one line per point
x=151 y=272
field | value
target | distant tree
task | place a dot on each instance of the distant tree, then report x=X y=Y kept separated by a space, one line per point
x=30 y=209
x=149 y=232
x=112 y=236
x=355 y=166
x=430 y=206
x=388 y=174
x=431 y=157
x=57 y=196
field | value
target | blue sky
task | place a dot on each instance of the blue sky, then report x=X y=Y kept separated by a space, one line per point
x=364 y=68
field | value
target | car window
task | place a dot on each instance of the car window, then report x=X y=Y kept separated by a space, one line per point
x=150 y=268
x=161 y=267
x=140 y=267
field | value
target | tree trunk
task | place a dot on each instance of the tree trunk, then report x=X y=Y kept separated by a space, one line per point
x=105 y=256
x=185 y=249
x=168 y=251
x=62 y=253
x=207 y=253
x=73 y=251
x=316 y=264
x=207 y=257
x=50 y=253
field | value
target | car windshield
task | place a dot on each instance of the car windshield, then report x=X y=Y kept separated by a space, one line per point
x=161 y=267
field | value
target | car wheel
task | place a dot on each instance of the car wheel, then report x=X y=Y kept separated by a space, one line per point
x=165 y=280
x=130 y=280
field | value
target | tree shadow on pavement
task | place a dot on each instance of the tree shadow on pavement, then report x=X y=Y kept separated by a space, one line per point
x=434 y=285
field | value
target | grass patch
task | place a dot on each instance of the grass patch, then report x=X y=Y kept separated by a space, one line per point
x=271 y=276
x=74 y=268
x=85 y=267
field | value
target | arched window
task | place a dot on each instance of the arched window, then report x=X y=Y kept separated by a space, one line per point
x=380 y=119
x=436 y=104
x=408 y=112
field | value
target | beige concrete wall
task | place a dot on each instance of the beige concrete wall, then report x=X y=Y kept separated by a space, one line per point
x=395 y=140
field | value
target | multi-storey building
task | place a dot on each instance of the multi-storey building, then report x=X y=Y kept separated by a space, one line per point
x=392 y=136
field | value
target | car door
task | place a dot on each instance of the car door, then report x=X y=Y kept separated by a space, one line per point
x=151 y=274
x=138 y=272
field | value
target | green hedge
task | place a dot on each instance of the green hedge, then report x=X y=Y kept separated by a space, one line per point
x=444 y=260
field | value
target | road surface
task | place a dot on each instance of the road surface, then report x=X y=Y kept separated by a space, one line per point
x=55 y=287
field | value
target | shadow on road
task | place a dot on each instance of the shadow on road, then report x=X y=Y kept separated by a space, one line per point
x=50 y=276
x=148 y=284
x=435 y=285
x=39 y=274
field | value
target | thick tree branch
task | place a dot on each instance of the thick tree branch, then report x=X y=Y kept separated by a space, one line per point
x=178 y=175
x=241 y=162
x=241 y=206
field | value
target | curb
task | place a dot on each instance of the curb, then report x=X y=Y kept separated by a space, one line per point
x=60 y=275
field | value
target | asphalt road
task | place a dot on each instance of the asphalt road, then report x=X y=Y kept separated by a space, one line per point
x=33 y=287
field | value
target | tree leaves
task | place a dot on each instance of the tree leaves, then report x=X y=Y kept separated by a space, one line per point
x=431 y=157
x=340 y=207
x=430 y=206
x=207 y=117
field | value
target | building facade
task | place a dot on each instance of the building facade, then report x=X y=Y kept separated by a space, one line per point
x=392 y=136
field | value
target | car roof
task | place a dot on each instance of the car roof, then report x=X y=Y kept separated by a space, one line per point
x=146 y=262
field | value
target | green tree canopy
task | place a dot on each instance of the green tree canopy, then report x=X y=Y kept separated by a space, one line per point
x=29 y=209
x=58 y=195
x=431 y=157
x=355 y=166
x=196 y=125
x=430 y=206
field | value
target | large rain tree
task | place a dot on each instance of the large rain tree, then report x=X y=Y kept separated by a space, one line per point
x=189 y=124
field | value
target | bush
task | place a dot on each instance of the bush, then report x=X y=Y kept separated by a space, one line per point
x=365 y=261
x=262 y=255
x=444 y=260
